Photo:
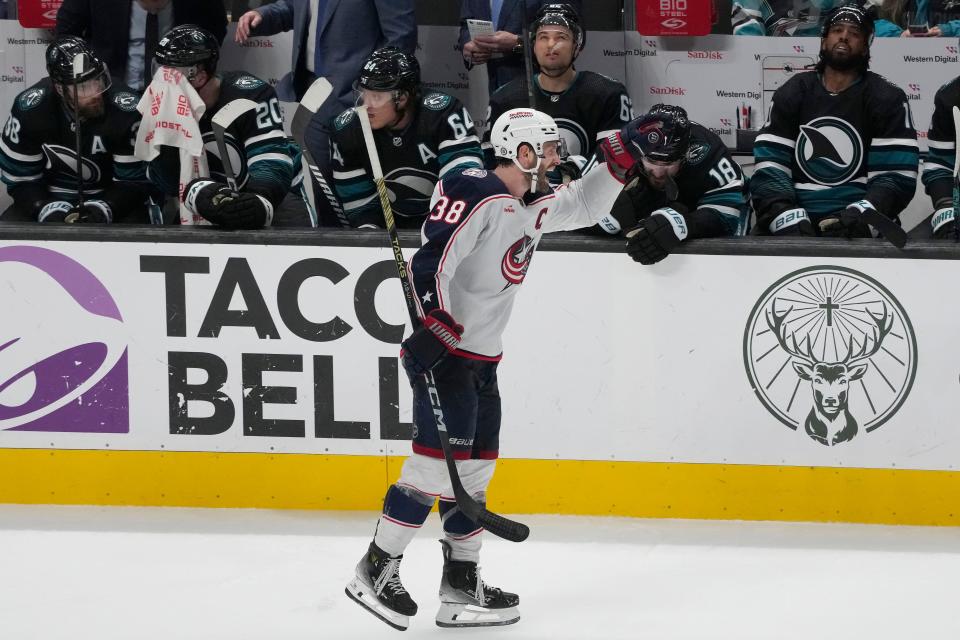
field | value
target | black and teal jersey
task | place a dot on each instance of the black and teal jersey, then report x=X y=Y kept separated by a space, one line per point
x=264 y=160
x=942 y=146
x=711 y=192
x=38 y=159
x=440 y=137
x=592 y=107
x=823 y=151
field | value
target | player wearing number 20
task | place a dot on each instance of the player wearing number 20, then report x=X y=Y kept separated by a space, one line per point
x=839 y=146
x=690 y=187
x=263 y=159
x=477 y=244
x=419 y=138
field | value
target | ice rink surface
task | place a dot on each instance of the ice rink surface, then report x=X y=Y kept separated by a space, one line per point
x=102 y=573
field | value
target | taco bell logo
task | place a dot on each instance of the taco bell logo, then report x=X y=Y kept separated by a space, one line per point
x=830 y=351
x=63 y=362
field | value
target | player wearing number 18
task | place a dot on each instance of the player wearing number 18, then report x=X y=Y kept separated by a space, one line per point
x=263 y=159
x=477 y=244
x=690 y=187
x=419 y=139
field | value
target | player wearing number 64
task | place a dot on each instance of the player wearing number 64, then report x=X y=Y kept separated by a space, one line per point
x=419 y=136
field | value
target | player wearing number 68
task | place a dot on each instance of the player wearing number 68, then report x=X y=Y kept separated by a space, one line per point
x=420 y=137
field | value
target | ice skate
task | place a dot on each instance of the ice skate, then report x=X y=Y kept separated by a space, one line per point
x=378 y=589
x=465 y=601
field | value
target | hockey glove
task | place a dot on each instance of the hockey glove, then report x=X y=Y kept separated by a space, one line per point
x=621 y=150
x=944 y=223
x=792 y=222
x=55 y=211
x=221 y=206
x=572 y=168
x=92 y=211
x=656 y=236
x=852 y=222
x=430 y=342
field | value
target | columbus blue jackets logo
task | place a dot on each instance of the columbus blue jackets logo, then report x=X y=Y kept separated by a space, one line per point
x=829 y=151
x=830 y=352
x=516 y=261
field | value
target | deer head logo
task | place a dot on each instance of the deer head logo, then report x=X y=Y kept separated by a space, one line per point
x=830 y=350
x=830 y=421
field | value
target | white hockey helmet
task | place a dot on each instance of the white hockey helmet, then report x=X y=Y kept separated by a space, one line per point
x=518 y=126
x=524 y=126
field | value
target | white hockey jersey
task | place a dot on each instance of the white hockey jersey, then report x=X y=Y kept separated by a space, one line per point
x=478 y=241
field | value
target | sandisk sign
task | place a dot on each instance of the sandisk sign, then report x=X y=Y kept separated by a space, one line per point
x=38 y=14
x=674 y=17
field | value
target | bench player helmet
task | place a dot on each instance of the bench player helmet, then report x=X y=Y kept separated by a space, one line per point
x=562 y=15
x=188 y=46
x=77 y=71
x=390 y=69
x=517 y=127
x=665 y=133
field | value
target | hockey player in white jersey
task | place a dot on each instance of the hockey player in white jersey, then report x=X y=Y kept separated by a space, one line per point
x=477 y=245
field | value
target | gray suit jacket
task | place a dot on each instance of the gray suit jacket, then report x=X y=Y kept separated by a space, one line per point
x=347 y=33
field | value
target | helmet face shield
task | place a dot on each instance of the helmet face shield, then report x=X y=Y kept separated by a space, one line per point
x=85 y=96
x=372 y=98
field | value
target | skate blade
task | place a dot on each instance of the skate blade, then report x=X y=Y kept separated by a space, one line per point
x=364 y=596
x=456 y=614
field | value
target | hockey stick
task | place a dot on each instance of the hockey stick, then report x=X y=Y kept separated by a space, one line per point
x=893 y=232
x=528 y=65
x=315 y=96
x=956 y=174
x=223 y=119
x=77 y=72
x=495 y=524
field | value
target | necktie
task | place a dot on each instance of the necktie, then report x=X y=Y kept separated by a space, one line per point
x=320 y=7
x=495 y=7
x=150 y=40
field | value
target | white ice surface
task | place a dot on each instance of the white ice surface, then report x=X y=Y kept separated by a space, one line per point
x=142 y=574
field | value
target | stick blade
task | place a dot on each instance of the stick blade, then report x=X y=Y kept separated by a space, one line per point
x=317 y=94
x=893 y=232
x=503 y=527
x=231 y=111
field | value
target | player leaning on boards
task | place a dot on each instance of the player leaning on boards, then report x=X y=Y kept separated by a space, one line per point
x=940 y=166
x=586 y=106
x=477 y=244
x=419 y=139
x=838 y=153
x=38 y=147
x=268 y=160
x=689 y=187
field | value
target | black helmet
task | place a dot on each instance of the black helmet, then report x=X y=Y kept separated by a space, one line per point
x=562 y=15
x=390 y=69
x=188 y=45
x=664 y=133
x=852 y=13
x=60 y=56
